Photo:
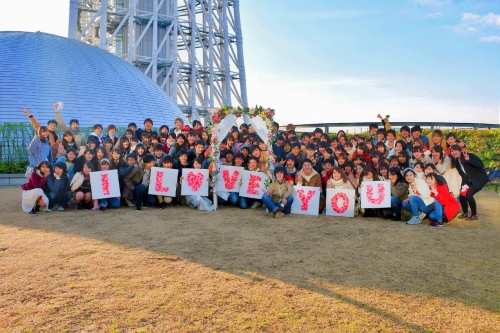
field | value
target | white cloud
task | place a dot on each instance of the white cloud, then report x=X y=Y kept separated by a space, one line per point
x=434 y=15
x=432 y=2
x=472 y=22
x=491 y=39
x=485 y=20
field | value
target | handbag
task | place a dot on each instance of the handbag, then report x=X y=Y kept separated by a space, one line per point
x=29 y=171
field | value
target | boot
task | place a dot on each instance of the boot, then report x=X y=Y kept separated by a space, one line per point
x=397 y=217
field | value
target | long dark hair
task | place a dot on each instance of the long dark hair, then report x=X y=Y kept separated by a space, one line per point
x=124 y=150
x=454 y=161
x=138 y=146
x=40 y=164
x=397 y=172
x=440 y=180
x=40 y=130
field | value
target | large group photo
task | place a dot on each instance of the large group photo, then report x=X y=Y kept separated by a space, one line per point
x=249 y=166
x=387 y=175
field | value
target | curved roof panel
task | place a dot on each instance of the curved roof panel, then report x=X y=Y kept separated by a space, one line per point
x=39 y=69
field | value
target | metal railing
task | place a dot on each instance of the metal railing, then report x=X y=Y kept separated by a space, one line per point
x=396 y=125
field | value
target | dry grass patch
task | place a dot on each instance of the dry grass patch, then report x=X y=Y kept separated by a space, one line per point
x=111 y=272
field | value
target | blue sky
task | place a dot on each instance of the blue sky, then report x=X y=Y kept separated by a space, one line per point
x=319 y=61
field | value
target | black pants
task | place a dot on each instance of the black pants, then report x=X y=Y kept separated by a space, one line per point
x=468 y=200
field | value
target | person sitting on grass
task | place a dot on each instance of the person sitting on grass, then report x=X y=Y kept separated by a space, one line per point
x=419 y=202
x=81 y=186
x=102 y=204
x=444 y=200
x=399 y=193
x=278 y=197
x=58 y=187
x=33 y=194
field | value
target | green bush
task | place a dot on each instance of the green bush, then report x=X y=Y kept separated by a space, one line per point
x=13 y=167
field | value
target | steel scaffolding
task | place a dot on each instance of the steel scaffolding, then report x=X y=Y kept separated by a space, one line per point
x=192 y=49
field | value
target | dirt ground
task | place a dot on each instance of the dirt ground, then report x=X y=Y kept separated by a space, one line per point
x=182 y=270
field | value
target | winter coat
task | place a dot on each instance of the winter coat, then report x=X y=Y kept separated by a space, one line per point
x=450 y=204
x=399 y=190
x=79 y=137
x=39 y=151
x=35 y=181
x=473 y=171
x=421 y=190
x=131 y=179
x=54 y=145
x=279 y=190
x=57 y=185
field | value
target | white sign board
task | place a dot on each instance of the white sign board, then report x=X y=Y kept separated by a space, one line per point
x=105 y=184
x=375 y=194
x=195 y=182
x=228 y=179
x=253 y=183
x=340 y=202
x=163 y=182
x=306 y=200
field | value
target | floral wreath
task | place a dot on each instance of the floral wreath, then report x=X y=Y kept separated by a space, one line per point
x=218 y=116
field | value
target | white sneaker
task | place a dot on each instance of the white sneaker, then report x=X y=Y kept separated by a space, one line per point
x=255 y=205
x=60 y=208
x=421 y=216
x=48 y=210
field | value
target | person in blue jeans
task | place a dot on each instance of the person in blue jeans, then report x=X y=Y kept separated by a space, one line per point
x=58 y=187
x=107 y=202
x=278 y=196
x=419 y=202
x=399 y=192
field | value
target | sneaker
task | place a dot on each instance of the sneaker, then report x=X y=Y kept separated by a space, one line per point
x=78 y=206
x=48 y=210
x=163 y=205
x=421 y=216
x=255 y=205
x=138 y=209
x=471 y=218
x=33 y=211
x=413 y=220
x=60 y=208
x=102 y=208
x=279 y=214
x=436 y=224
x=272 y=214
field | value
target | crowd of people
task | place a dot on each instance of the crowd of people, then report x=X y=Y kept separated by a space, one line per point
x=430 y=176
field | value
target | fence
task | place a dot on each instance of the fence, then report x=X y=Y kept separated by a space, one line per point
x=16 y=137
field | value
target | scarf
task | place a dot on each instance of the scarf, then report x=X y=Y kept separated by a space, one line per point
x=337 y=183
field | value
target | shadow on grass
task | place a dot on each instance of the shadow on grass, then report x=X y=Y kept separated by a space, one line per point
x=460 y=262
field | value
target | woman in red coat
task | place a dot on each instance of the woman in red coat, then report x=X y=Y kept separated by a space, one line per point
x=444 y=200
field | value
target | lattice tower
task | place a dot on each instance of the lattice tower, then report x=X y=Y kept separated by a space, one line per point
x=192 y=49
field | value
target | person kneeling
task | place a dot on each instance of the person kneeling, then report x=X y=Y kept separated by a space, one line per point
x=278 y=197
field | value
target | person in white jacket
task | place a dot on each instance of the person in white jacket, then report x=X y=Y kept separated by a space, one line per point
x=419 y=202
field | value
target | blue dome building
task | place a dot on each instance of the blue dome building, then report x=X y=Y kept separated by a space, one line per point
x=39 y=69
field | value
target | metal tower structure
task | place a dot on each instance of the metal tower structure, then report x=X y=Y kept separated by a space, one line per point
x=193 y=49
